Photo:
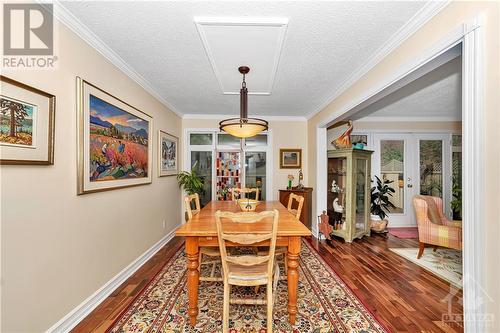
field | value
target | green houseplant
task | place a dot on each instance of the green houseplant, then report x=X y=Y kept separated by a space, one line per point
x=380 y=204
x=191 y=181
x=456 y=202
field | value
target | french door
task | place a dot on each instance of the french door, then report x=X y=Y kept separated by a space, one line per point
x=415 y=163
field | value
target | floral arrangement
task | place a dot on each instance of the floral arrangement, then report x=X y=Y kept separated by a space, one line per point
x=290 y=178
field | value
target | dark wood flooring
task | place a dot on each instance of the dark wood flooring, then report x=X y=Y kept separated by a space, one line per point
x=401 y=295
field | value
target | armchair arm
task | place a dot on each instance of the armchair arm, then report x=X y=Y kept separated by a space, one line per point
x=449 y=223
x=447 y=236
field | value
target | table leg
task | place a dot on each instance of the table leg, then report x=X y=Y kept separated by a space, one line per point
x=293 y=276
x=193 y=277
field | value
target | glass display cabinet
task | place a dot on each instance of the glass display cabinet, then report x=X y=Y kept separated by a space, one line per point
x=348 y=198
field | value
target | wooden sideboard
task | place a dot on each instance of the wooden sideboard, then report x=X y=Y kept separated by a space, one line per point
x=306 y=192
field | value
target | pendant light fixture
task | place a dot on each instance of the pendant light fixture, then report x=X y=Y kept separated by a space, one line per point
x=243 y=127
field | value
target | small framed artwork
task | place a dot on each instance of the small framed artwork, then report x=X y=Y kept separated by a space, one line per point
x=291 y=158
x=168 y=146
x=114 y=141
x=26 y=124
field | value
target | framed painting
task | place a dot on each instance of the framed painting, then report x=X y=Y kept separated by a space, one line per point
x=291 y=158
x=26 y=124
x=114 y=141
x=168 y=153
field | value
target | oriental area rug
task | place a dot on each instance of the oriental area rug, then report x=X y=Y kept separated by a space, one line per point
x=325 y=303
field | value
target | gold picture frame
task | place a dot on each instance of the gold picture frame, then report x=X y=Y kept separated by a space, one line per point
x=168 y=157
x=38 y=113
x=115 y=146
x=291 y=158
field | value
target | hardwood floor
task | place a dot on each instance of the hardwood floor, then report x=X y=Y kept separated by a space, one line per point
x=400 y=294
x=403 y=296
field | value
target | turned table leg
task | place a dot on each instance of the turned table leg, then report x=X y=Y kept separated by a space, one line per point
x=193 y=277
x=293 y=276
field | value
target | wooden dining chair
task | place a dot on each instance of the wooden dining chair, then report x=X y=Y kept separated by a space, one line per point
x=212 y=252
x=300 y=203
x=239 y=193
x=249 y=269
x=282 y=250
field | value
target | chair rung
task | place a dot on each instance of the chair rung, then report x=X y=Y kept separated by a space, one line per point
x=210 y=278
x=247 y=301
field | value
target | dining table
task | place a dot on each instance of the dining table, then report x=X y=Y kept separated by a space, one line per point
x=201 y=230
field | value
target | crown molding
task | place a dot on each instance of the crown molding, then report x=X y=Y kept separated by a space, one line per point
x=81 y=30
x=224 y=116
x=427 y=12
x=397 y=119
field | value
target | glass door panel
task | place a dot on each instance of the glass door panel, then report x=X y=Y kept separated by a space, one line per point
x=255 y=172
x=361 y=170
x=203 y=160
x=431 y=167
x=392 y=167
x=337 y=178
x=228 y=173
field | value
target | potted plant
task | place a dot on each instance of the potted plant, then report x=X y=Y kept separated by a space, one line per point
x=191 y=181
x=456 y=203
x=380 y=204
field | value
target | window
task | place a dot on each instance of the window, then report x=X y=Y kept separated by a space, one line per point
x=456 y=176
x=225 y=161
x=392 y=168
x=200 y=139
x=203 y=162
x=255 y=171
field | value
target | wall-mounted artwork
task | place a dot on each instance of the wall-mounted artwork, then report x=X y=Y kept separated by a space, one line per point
x=115 y=147
x=26 y=124
x=291 y=158
x=167 y=154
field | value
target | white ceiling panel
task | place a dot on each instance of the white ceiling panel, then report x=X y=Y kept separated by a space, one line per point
x=231 y=43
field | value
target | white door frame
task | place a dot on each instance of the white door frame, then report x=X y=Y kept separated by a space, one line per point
x=471 y=34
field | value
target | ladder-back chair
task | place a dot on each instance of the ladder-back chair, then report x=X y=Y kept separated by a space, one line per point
x=239 y=193
x=249 y=270
x=212 y=252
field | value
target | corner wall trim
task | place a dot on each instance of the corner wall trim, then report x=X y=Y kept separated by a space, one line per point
x=76 y=315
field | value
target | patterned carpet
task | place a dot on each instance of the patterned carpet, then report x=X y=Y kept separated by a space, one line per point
x=325 y=304
x=445 y=263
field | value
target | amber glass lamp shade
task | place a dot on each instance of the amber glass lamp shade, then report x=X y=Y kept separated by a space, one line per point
x=243 y=127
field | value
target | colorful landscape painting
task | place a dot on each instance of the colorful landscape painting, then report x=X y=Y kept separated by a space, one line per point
x=118 y=143
x=16 y=122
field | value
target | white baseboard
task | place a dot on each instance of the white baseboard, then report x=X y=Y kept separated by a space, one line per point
x=76 y=315
x=396 y=225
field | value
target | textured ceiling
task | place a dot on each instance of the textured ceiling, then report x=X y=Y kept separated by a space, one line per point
x=434 y=96
x=325 y=42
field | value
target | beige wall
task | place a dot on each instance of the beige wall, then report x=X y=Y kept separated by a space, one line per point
x=285 y=134
x=436 y=29
x=59 y=248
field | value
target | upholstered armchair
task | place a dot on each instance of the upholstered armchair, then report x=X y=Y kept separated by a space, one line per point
x=433 y=227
